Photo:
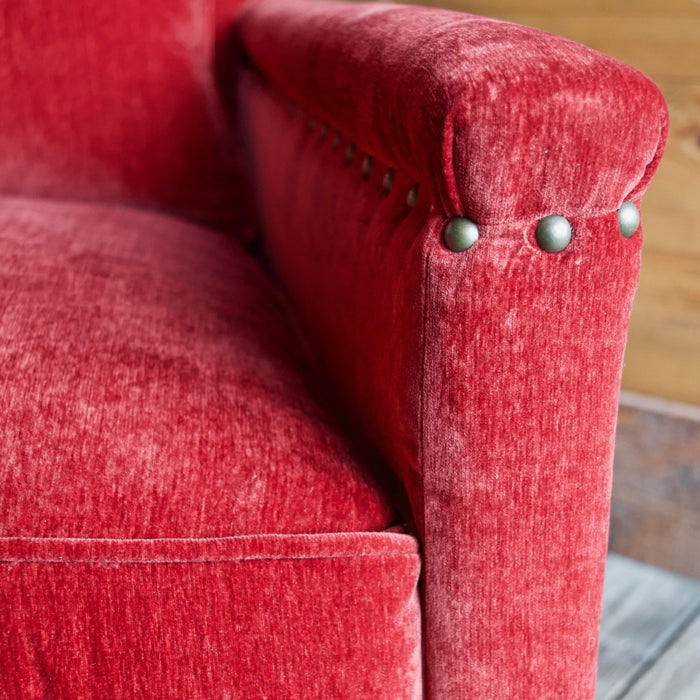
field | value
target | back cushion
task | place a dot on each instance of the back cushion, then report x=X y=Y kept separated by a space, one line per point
x=116 y=101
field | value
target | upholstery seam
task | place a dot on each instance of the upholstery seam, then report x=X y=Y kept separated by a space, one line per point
x=424 y=564
x=124 y=206
x=655 y=159
x=425 y=285
x=225 y=539
x=448 y=139
x=212 y=560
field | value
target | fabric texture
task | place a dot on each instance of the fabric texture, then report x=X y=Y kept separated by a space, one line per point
x=507 y=123
x=488 y=379
x=118 y=102
x=153 y=387
x=266 y=616
x=180 y=516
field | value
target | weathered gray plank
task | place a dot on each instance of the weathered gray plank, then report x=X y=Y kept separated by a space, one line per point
x=676 y=674
x=644 y=610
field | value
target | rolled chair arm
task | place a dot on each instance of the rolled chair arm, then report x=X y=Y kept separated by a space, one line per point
x=460 y=101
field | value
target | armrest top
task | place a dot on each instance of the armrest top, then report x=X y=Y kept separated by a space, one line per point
x=506 y=122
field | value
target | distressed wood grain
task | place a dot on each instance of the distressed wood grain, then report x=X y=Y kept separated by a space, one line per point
x=645 y=609
x=655 y=515
x=676 y=673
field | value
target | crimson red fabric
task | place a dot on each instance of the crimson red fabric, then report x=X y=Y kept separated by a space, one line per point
x=265 y=616
x=118 y=102
x=507 y=123
x=487 y=379
x=179 y=517
x=152 y=387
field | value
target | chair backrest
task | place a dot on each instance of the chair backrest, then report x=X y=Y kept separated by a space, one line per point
x=117 y=102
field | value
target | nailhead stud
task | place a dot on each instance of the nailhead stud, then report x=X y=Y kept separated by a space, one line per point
x=349 y=153
x=412 y=197
x=324 y=132
x=553 y=233
x=367 y=167
x=388 y=181
x=461 y=234
x=628 y=218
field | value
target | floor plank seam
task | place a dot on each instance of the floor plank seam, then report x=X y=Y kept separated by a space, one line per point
x=650 y=661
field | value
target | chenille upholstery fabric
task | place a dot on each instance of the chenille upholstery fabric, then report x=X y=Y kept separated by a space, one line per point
x=118 y=102
x=487 y=379
x=505 y=122
x=180 y=517
x=266 y=616
x=151 y=387
x=192 y=496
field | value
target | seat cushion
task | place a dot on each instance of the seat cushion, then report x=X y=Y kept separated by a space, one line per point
x=179 y=517
x=307 y=617
x=151 y=386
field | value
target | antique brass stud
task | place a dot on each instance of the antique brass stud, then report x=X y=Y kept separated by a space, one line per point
x=388 y=181
x=628 y=219
x=461 y=234
x=553 y=233
x=349 y=153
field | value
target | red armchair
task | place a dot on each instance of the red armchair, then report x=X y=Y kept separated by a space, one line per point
x=194 y=488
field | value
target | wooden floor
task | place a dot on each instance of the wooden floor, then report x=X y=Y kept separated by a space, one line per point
x=650 y=634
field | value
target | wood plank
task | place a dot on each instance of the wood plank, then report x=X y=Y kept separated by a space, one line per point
x=663 y=348
x=644 y=608
x=661 y=43
x=655 y=514
x=676 y=674
x=663 y=352
x=617 y=8
x=671 y=207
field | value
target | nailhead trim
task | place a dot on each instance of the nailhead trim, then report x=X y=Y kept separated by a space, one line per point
x=349 y=153
x=368 y=161
x=388 y=181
